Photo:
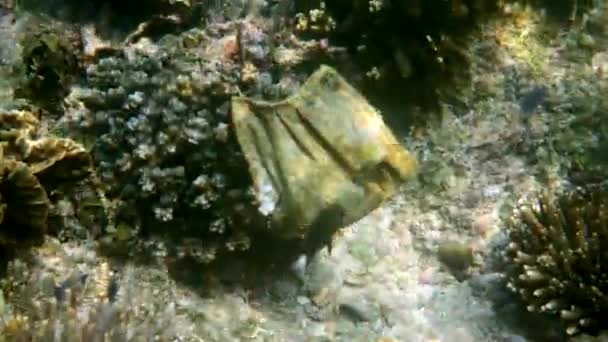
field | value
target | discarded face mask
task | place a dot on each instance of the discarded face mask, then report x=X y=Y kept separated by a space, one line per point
x=319 y=160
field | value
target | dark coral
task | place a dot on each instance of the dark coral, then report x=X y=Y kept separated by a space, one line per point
x=557 y=260
x=409 y=43
x=418 y=51
x=114 y=18
x=25 y=205
x=50 y=60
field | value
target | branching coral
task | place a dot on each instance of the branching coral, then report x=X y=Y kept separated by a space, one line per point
x=557 y=257
x=165 y=147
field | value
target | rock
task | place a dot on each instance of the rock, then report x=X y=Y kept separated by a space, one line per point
x=455 y=255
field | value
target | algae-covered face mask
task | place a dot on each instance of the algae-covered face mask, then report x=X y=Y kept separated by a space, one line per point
x=321 y=159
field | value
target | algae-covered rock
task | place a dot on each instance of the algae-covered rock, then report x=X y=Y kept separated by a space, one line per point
x=414 y=52
x=321 y=159
x=114 y=19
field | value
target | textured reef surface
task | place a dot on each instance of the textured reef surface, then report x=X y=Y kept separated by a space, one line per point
x=128 y=212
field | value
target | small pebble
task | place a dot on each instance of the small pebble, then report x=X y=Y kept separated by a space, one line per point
x=303 y=300
x=353 y=313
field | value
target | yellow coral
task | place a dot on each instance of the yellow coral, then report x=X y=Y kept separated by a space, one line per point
x=26 y=163
x=58 y=156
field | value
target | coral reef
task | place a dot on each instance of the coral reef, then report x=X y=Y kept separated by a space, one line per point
x=387 y=277
x=50 y=158
x=556 y=256
x=89 y=301
x=159 y=113
x=31 y=168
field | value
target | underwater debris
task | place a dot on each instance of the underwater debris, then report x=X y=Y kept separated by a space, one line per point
x=321 y=158
x=556 y=256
